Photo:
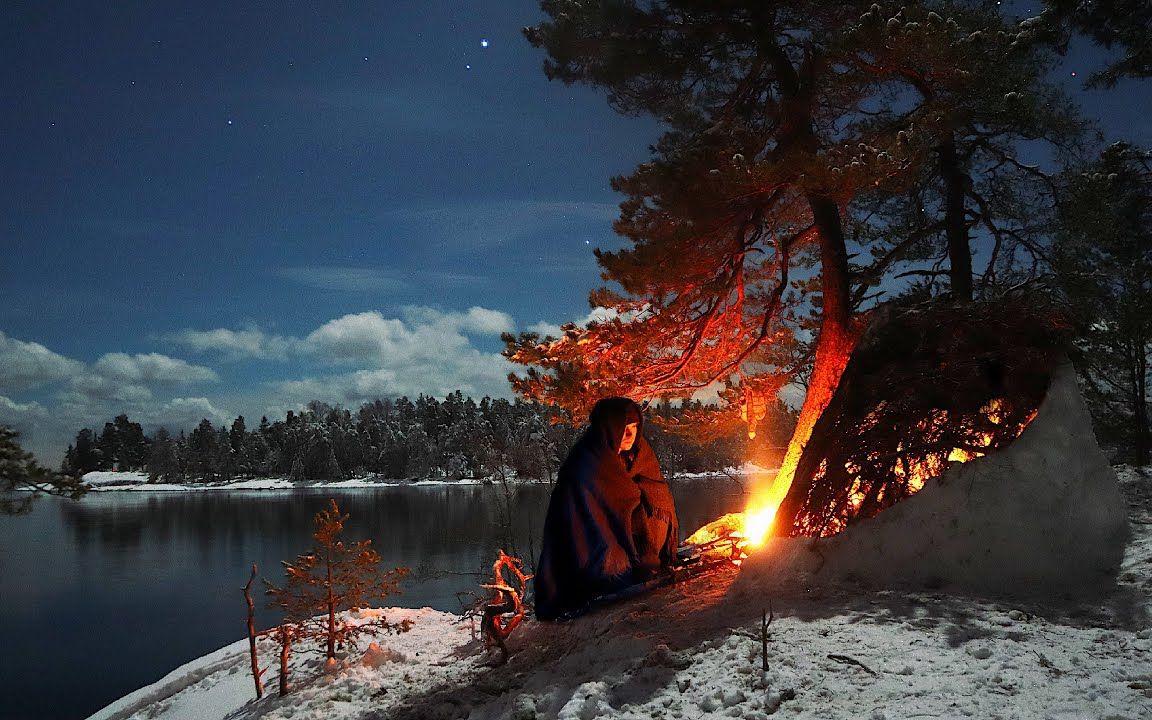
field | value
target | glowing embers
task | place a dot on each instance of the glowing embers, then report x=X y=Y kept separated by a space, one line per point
x=891 y=464
x=721 y=539
x=743 y=532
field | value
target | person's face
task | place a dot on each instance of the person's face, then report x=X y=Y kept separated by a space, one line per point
x=629 y=438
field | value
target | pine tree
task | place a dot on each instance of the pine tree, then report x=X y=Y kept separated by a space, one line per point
x=981 y=92
x=110 y=447
x=22 y=478
x=763 y=101
x=1103 y=264
x=87 y=454
x=163 y=462
x=203 y=452
x=1122 y=24
x=132 y=444
x=332 y=577
x=237 y=442
x=779 y=116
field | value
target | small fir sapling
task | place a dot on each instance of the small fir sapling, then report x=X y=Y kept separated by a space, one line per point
x=332 y=577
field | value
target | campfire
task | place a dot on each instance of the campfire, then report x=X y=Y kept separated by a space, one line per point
x=925 y=388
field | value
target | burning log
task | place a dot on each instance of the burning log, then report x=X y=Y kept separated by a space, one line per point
x=926 y=386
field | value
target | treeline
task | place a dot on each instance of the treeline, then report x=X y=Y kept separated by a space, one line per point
x=454 y=438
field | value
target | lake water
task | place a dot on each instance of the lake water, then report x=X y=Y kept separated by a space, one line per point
x=102 y=596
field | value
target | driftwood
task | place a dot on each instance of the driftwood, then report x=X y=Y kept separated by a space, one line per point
x=506 y=600
x=926 y=385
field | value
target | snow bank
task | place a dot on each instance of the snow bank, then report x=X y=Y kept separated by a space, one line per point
x=101 y=479
x=376 y=677
x=1043 y=515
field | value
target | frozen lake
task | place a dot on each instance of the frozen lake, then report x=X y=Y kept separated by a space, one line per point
x=102 y=596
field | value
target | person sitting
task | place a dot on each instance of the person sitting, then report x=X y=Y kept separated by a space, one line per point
x=611 y=520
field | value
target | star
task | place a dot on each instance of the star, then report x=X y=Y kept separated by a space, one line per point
x=484 y=43
x=467 y=67
x=229 y=122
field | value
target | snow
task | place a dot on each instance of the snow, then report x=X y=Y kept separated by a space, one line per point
x=138 y=482
x=693 y=651
x=1018 y=587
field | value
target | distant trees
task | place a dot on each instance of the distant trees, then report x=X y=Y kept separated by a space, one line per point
x=21 y=478
x=453 y=438
x=1103 y=262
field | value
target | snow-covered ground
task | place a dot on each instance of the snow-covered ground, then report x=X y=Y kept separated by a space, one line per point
x=101 y=481
x=693 y=650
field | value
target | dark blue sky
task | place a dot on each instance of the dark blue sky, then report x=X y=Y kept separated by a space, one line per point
x=214 y=208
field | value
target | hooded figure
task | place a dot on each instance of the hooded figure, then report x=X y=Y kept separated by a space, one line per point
x=611 y=520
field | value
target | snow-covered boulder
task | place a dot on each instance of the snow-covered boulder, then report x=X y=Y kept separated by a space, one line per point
x=1042 y=516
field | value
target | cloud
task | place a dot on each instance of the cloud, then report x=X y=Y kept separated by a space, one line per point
x=151 y=368
x=361 y=337
x=185 y=412
x=12 y=412
x=422 y=350
x=69 y=394
x=474 y=321
x=234 y=344
x=425 y=335
x=472 y=372
x=27 y=365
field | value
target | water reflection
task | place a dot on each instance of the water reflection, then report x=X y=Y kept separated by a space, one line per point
x=152 y=581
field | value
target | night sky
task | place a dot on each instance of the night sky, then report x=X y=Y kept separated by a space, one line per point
x=211 y=209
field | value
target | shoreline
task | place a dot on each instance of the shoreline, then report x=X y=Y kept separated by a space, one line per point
x=137 y=482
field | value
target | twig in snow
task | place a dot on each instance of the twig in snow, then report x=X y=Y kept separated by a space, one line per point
x=1046 y=663
x=766 y=619
x=846 y=660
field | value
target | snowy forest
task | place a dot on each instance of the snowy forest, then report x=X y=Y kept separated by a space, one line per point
x=454 y=439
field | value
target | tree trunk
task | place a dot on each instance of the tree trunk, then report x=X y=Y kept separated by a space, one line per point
x=1141 y=446
x=833 y=348
x=256 y=671
x=956 y=228
x=285 y=652
x=331 y=608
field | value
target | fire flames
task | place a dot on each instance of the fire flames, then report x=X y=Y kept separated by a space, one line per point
x=750 y=529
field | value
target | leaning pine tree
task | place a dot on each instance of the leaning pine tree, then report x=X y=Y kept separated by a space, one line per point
x=739 y=253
